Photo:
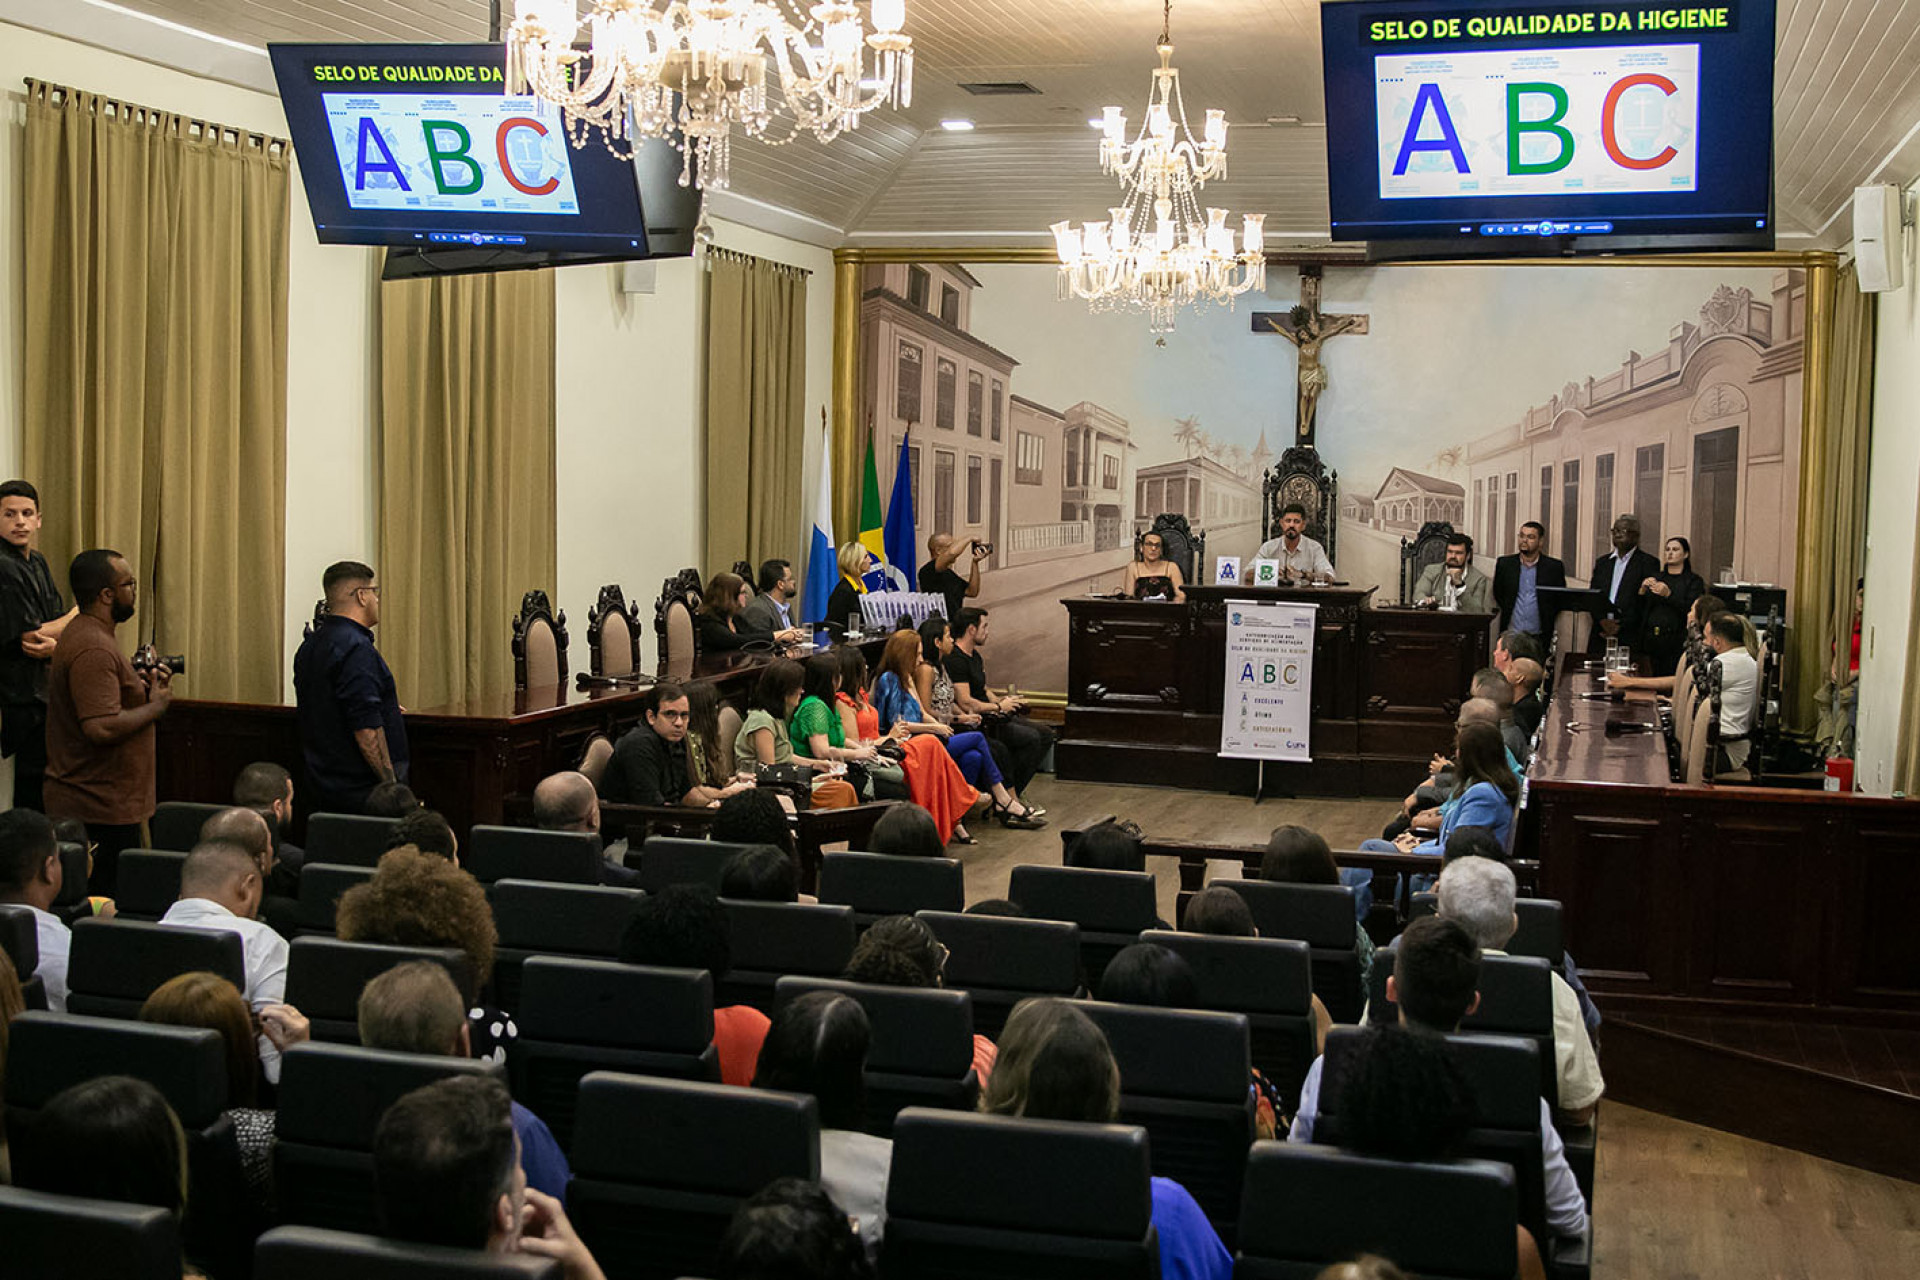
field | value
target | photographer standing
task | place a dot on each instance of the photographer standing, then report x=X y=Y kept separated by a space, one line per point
x=938 y=578
x=100 y=716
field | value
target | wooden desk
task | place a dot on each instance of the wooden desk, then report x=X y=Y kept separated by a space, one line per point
x=468 y=757
x=1718 y=899
x=1145 y=683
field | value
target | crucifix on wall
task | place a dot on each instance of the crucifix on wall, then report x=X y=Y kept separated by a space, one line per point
x=1307 y=327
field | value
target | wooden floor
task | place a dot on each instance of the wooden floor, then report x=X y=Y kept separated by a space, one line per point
x=1674 y=1201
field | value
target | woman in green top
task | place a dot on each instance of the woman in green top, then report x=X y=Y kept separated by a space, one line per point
x=763 y=737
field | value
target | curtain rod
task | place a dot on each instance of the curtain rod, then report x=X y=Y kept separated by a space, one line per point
x=56 y=95
x=748 y=259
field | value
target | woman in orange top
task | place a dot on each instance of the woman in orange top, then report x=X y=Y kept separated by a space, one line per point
x=934 y=781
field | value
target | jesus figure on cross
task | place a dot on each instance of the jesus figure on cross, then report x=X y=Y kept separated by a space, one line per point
x=1306 y=327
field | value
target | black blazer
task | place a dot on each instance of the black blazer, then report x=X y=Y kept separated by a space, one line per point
x=1629 y=606
x=841 y=605
x=1548 y=572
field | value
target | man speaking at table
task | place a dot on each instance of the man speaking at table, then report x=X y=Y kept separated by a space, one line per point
x=1301 y=558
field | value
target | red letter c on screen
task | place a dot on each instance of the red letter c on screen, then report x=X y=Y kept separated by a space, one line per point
x=551 y=184
x=1607 y=110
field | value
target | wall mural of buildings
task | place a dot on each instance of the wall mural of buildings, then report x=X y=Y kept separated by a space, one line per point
x=1484 y=396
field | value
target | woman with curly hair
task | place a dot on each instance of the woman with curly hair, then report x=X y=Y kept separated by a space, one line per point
x=901 y=951
x=418 y=900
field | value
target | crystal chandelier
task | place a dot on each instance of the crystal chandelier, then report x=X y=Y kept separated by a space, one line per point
x=1155 y=253
x=690 y=70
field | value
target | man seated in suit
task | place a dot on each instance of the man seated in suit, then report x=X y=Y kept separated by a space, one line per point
x=772 y=610
x=1455 y=585
x=1517 y=579
x=1619 y=576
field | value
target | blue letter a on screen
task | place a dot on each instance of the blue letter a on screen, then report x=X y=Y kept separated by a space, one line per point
x=1448 y=141
x=370 y=132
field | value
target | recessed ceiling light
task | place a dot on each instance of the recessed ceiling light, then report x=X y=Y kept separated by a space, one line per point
x=957 y=126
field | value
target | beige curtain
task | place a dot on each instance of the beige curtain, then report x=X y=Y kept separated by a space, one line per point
x=155 y=309
x=466 y=477
x=756 y=408
x=1833 y=490
x=1906 y=757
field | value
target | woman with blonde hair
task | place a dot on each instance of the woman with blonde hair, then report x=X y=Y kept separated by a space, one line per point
x=844 y=603
x=1055 y=1064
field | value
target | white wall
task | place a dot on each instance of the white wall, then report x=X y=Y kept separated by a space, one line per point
x=629 y=397
x=1894 y=478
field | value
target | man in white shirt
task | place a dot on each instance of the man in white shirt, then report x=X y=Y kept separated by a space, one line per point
x=1477 y=894
x=1739 y=688
x=30 y=877
x=220 y=889
x=1301 y=558
x=1434 y=985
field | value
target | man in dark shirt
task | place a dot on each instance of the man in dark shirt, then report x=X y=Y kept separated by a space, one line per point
x=938 y=578
x=32 y=616
x=1021 y=745
x=351 y=729
x=649 y=764
x=267 y=789
x=100 y=717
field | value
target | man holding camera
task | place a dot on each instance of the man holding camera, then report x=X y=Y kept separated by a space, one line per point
x=100 y=717
x=938 y=578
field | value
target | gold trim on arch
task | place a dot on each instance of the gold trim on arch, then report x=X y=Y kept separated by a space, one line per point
x=849 y=443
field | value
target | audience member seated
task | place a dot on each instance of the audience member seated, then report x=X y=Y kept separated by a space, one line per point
x=209 y=1000
x=246 y=828
x=267 y=789
x=1485 y=791
x=754 y=816
x=1296 y=855
x=997 y=907
x=418 y=900
x=683 y=926
x=931 y=778
x=109 y=1138
x=1055 y=1065
x=771 y=612
x=1510 y=646
x=428 y=831
x=763 y=740
x=721 y=627
x=1525 y=675
x=791 y=1230
x=220 y=890
x=391 y=800
x=1022 y=746
x=30 y=876
x=817 y=731
x=1107 y=846
x=901 y=951
x=1739 y=689
x=74 y=831
x=415 y=1008
x=1434 y=985
x=1364 y=1267
x=1477 y=894
x=13 y=1003
x=566 y=801
x=446 y=1173
x=1494 y=687
x=760 y=873
x=1478 y=842
x=709 y=760
x=893 y=696
x=1222 y=913
x=818 y=1045
x=908 y=831
x=649 y=764
x=1153 y=576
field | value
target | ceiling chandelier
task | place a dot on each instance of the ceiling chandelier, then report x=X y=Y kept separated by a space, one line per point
x=689 y=70
x=1155 y=253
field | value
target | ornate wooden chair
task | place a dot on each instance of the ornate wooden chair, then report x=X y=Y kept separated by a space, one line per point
x=1428 y=547
x=613 y=634
x=1300 y=476
x=673 y=629
x=1179 y=543
x=539 y=644
x=319 y=616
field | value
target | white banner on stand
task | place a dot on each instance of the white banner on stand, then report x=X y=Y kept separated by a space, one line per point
x=1268 y=696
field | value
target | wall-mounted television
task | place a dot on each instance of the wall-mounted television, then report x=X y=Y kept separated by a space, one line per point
x=1514 y=128
x=420 y=148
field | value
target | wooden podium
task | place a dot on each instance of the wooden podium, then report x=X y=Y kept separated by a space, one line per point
x=1145 y=684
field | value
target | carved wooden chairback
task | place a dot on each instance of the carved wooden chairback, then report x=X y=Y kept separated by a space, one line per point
x=539 y=643
x=673 y=627
x=613 y=634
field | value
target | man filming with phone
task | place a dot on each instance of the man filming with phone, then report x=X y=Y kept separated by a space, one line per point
x=937 y=576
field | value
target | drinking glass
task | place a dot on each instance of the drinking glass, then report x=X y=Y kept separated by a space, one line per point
x=853 y=626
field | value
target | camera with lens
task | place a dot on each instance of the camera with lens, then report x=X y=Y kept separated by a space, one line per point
x=145 y=659
x=982 y=548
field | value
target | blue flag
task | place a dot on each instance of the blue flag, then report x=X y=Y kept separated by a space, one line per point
x=902 y=553
x=823 y=568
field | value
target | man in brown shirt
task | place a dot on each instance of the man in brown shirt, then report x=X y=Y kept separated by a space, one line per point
x=100 y=716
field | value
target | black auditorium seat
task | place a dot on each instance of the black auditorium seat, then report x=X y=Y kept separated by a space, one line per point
x=321 y=887
x=325 y=977
x=349 y=838
x=878 y=884
x=1542 y=931
x=147 y=883
x=996 y=1198
x=921 y=1051
x=659 y=1166
x=774 y=939
x=1320 y=915
x=114 y=965
x=537 y=917
x=1002 y=960
x=1516 y=999
x=1112 y=908
x=1270 y=980
x=175 y=824
x=20 y=939
x=578 y=1016
x=49 y=1235
x=519 y=853
x=666 y=860
x=314 y=1253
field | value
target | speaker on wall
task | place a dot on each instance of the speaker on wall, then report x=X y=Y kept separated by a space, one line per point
x=1879 y=248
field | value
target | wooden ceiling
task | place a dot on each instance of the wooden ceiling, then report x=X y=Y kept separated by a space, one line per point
x=1846 y=96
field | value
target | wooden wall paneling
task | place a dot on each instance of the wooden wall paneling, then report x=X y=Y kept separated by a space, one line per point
x=1756 y=888
x=1874 y=883
x=1615 y=860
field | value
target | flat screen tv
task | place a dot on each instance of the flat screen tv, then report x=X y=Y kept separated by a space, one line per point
x=419 y=148
x=1511 y=128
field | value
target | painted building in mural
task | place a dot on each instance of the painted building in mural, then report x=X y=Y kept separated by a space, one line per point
x=1213 y=497
x=1408 y=499
x=1038 y=483
x=1685 y=436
